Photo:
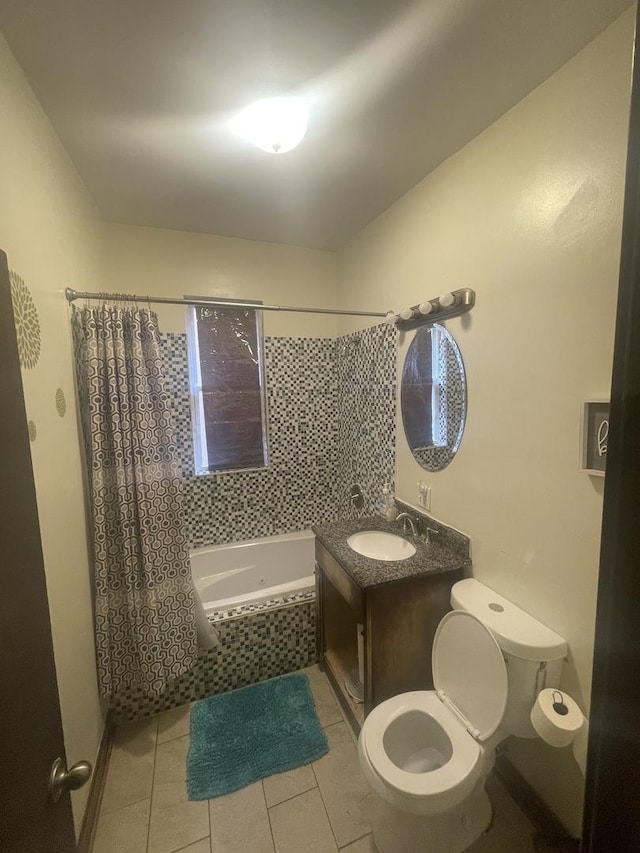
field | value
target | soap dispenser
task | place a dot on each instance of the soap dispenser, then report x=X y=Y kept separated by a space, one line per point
x=389 y=503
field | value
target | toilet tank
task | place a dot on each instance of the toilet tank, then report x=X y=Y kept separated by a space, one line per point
x=533 y=653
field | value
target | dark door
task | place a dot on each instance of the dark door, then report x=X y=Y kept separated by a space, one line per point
x=612 y=798
x=30 y=725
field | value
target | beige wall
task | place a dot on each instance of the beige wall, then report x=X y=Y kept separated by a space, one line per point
x=529 y=215
x=175 y=263
x=54 y=238
x=50 y=231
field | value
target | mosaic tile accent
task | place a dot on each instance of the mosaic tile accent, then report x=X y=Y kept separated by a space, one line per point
x=27 y=323
x=176 y=371
x=33 y=430
x=298 y=487
x=331 y=423
x=366 y=367
x=243 y=609
x=252 y=648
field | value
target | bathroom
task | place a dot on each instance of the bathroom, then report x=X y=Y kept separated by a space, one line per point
x=535 y=193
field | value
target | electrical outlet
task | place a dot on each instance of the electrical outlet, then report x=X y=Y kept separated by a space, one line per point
x=424 y=494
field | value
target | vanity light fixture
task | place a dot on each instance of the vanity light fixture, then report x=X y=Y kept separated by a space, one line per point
x=436 y=310
x=276 y=125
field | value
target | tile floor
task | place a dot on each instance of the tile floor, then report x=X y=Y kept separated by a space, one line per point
x=314 y=809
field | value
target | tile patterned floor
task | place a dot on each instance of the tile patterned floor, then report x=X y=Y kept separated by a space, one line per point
x=313 y=809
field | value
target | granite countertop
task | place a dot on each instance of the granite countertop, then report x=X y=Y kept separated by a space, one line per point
x=367 y=572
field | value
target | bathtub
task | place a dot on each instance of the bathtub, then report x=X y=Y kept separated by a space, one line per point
x=254 y=571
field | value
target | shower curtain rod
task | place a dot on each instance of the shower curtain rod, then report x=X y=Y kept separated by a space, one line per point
x=71 y=295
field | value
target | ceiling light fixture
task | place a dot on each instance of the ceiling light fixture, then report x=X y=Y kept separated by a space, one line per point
x=275 y=125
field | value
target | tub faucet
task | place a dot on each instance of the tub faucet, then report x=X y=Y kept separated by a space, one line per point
x=407 y=522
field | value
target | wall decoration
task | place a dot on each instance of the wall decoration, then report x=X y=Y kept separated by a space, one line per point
x=26 y=320
x=61 y=403
x=595 y=436
x=33 y=432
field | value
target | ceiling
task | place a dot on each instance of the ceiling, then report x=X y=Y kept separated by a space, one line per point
x=141 y=91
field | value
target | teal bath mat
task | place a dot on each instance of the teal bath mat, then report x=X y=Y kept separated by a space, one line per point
x=242 y=736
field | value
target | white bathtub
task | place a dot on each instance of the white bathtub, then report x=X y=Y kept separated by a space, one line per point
x=253 y=571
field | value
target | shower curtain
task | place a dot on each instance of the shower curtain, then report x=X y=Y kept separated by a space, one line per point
x=144 y=597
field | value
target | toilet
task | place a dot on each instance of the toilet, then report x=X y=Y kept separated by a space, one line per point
x=427 y=753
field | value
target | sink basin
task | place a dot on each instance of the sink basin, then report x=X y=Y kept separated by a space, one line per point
x=381 y=546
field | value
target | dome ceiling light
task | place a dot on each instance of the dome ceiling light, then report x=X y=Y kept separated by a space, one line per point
x=276 y=125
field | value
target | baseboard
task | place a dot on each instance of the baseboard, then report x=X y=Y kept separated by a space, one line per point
x=94 y=800
x=551 y=833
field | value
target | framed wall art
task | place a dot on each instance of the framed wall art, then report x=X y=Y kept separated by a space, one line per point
x=595 y=435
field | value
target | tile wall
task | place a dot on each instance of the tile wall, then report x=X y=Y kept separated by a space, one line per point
x=253 y=647
x=366 y=406
x=331 y=415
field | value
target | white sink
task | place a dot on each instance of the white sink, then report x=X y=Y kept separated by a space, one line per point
x=381 y=546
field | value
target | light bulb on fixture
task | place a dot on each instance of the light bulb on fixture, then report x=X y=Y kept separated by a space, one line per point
x=406 y=314
x=276 y=125
x=446 y=300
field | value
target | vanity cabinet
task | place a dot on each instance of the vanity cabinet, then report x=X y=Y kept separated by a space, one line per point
x=399 y=619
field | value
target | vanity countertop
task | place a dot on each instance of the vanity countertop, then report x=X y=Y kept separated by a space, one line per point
x=366 y=572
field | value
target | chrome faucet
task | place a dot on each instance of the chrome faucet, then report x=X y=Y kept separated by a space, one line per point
x=408 y=522
x=429 y=533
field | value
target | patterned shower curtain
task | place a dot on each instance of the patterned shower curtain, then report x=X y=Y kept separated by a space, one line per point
x=144 y=598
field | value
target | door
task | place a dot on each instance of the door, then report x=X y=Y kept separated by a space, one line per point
x=612 y=797
x=30 y=726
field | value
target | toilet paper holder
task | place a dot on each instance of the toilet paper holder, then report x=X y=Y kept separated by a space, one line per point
x=558 y=704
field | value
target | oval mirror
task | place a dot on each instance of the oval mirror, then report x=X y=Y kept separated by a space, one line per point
x=433 y=397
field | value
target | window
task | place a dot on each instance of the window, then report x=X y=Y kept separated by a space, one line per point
x=226 y=378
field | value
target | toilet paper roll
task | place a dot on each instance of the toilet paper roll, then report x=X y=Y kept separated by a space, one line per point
x=556 y=717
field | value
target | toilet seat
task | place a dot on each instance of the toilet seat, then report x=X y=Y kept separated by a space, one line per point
x=461 y=770
x=466 y=708
x=469 y=672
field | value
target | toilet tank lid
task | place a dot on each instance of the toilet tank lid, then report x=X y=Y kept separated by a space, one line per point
x=516 y=631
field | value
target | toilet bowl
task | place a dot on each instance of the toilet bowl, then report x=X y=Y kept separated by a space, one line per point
x=427 y=753
x=417 y=754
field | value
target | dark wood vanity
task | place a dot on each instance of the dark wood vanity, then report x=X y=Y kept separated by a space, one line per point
x=398 y=603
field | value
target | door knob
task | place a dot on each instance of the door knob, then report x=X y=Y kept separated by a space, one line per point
x=62 y=779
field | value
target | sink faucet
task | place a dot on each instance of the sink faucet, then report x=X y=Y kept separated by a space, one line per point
x=429 y=533
x=407 y=522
